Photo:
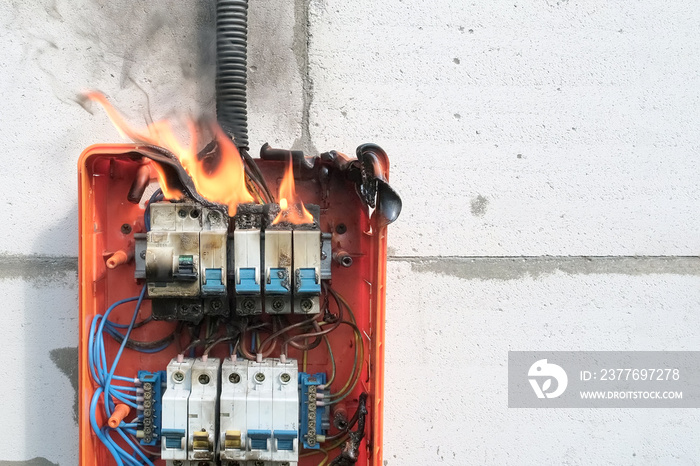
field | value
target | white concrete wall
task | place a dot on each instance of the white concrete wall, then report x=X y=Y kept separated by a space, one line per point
x=563 y=131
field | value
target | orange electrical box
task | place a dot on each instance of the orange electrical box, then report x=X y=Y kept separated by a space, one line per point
x=352 y=354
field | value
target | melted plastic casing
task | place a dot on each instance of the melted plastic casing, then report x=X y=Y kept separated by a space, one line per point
x=105 y=174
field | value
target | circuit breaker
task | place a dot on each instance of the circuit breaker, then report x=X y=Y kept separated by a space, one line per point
x=278 y=269
x=185 y=260
x=233 y=420
x=202 y=412
x=175 y=405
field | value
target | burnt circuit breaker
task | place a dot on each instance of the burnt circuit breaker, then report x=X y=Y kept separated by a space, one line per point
x=202 y=410
x=247 y=260
x=185 y=261
x=278 y=267
x=306 y=263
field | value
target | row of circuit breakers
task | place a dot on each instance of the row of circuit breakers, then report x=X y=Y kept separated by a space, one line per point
x=191 y=261
x=243 y=413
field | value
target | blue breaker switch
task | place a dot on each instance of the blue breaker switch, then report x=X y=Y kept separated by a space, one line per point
x=213 y=282
x=278 y=282
x=247 y=281
x=173 y=438
x=258 y=439
x=307 y=281
x=285 y=439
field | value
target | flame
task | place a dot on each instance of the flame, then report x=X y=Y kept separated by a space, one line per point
x=224 y=185
x=293 y=210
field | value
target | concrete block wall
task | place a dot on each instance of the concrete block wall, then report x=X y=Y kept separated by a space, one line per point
x=545 y=152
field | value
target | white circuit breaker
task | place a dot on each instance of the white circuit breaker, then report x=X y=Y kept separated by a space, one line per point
x=251 y=417
x=285 y=411
x=259 y=412
x=247 y=259
x=307 y=271
x=174 y=411
x=233 y=418
x=278 y=271
x=202 y=410
x=246 y=244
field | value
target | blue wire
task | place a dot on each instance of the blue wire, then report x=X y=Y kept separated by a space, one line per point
x=122 y=387
x=134 y=447
x=95 y=428
x=99 y=376
x=156 y=196
x=124 y=455
x=99 y=370
x=95 y=341
x=121 y=347
x=97 y=361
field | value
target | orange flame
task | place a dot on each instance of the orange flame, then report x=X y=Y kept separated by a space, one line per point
x=293 y=210
x=224 y=185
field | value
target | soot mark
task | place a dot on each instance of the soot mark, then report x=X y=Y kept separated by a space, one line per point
x=66 y=359
x=114 y=44
x=479 y=205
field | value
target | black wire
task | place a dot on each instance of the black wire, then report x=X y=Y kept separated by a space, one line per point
x=143 y=322
x=351 y=424
x=143 y=345
x=156 y=196
x=350 y=453
x=178 y=337
x=258 y=176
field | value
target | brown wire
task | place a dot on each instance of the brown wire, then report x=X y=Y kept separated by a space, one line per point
x=284 y=330
x=248 y=355
x=312 y=334
x=306 y=347
x=208 y=349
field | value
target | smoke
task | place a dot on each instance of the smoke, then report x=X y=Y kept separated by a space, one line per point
x=126 y=48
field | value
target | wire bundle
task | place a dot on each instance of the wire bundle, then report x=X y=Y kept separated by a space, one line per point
x=113 y=389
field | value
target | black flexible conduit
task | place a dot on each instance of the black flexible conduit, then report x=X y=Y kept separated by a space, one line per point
x=231 y=68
